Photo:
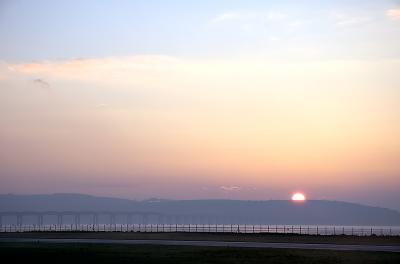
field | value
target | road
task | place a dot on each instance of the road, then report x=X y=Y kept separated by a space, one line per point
x=386 y=248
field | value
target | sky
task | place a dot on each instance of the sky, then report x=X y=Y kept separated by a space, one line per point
x=201 y=99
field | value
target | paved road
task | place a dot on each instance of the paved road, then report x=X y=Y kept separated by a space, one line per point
x=387 y=248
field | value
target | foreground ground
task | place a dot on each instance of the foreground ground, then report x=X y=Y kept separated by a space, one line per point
x=270 y=238
x=91 y=253
x=208 y=243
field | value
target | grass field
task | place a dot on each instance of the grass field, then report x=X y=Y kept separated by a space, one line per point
x=293 y=238
x=90 y=253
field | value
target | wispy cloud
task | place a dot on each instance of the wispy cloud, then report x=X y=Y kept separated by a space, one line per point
x=102 y=105
x=227 y=17
x=230 y=188
x=276 y=16
x=248 y=16
x=344 y=20
x=42 y=83
x=128 y=70
x=393 y=13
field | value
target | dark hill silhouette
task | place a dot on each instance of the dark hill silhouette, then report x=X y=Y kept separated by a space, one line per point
x=313 y=212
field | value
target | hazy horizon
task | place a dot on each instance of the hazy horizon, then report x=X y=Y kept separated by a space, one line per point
x=314 y=212
x=249 y=100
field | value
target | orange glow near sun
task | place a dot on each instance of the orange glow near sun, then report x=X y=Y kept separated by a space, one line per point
x=298 y=197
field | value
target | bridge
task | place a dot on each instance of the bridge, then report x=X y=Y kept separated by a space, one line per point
x=77 y=216
x=111 y=217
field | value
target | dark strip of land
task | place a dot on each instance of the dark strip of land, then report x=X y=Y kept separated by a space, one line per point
x=230 y=237
x=381 y=248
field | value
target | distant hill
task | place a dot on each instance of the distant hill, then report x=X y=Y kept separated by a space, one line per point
x=312 y=212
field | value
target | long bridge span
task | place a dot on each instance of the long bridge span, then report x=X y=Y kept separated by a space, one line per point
x=20 y=218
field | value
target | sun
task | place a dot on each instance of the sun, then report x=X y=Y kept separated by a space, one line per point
x=298 y=197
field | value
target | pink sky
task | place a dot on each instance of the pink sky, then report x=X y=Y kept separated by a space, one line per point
x=213 y=99
x=160 y=126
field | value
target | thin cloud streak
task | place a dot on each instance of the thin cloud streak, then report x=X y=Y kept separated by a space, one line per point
x=230 y=188
x=242 y=16
x=350 y=20
x=394 y=13
x=42 y=83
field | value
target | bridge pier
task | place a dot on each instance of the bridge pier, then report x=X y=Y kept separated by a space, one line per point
x=77 y=219
x=176 y=219
x=112 y=219
x=144 y=219
x=159 y=219
x=59 y=219
x=95 y=219
x=40 y=219
x=19 y=219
